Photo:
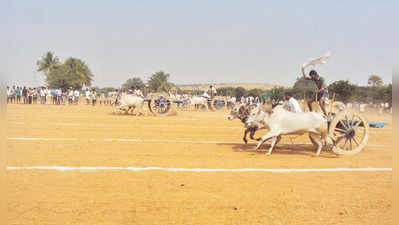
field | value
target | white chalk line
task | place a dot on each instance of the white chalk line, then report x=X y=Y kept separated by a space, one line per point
x=135 y=140
x=134 y=126
x=137 y=169
x=380 y=131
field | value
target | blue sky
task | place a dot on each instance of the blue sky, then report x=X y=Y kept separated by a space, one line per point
x=202 y=41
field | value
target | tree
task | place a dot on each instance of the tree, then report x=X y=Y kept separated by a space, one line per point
x=254 y=92
x=277 y=94
x=239 y=92
x=362 y=93
x=47 y=62
x=375 y=80
x=225 y=91
x=135 y=82
x=78 y=72
x=73 y=73
x=388 y=94
x=159 y=82
x=57 y=78
x=303 y=87
x=343 y=90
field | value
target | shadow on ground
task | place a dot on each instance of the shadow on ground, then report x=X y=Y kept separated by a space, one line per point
x=282 y=149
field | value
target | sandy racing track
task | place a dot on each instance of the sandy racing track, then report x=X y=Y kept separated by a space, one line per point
x=85 y=136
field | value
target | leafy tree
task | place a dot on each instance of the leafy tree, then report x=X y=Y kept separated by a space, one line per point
x=225 y=91
x=362 y=94
x=375 y=80
x=303 y=87
x=254 y=92
x=343 y=90
x=57 y=78
x=106 y=89
x=73 y=73
x=388 y=94
x=159 y=82
x=381 y=93
x=78 y=72
x=47 y=62
x=197 y=92
x=239 y=92
x=134 y=82
x=277 y=94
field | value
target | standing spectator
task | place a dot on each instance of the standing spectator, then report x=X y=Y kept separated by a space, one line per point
x=59 y=96
x=94 y=97
x=102 y=98
x=76 y=95
x=64 y=97
x=19 y=93
x=242 y=100
x=88 y=95
x=42 y=96
x=70 y=96
x=8 y=95
x=13 y=94
x=34 y=94
x=25 y=95
x=30 y=96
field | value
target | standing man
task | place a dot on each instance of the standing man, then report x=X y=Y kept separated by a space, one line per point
x=30 y=95
x=88 y=96
x=94 y=97
x=25 y=95
x=291 y=104
x=42 y=96
x=70 y=96
x=19 y=93
x=76 y=96
x=13 y=94
x=211 y=91
x=321 y=92
x=8 y=95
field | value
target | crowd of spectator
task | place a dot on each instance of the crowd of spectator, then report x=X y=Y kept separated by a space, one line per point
x=45 y=95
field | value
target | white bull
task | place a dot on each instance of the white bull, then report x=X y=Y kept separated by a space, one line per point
x=282 y=122
x=198 y=101
x=132 y=102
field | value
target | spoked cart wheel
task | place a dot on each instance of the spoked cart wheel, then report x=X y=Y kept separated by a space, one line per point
x=349 y=132
x=216 y=104
x=160 y=106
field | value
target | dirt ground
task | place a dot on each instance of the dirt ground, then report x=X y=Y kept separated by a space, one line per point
x=73 y=136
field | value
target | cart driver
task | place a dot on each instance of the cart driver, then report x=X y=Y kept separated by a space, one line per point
x=321 y=92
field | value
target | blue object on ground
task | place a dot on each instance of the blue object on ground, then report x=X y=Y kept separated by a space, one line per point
x=377 y=124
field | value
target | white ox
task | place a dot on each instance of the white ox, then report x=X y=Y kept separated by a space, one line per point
x=282 y=122
x=132 y=102
x=198 y=101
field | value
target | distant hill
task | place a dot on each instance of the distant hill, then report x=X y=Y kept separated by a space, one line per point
x=234 y=85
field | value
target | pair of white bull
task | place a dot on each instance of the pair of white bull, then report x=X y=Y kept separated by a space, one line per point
x=131 y=102
x=282 y=122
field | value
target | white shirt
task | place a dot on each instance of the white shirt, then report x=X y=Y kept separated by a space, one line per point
x=293 y=105
x=76 y=93
x=138 y=92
